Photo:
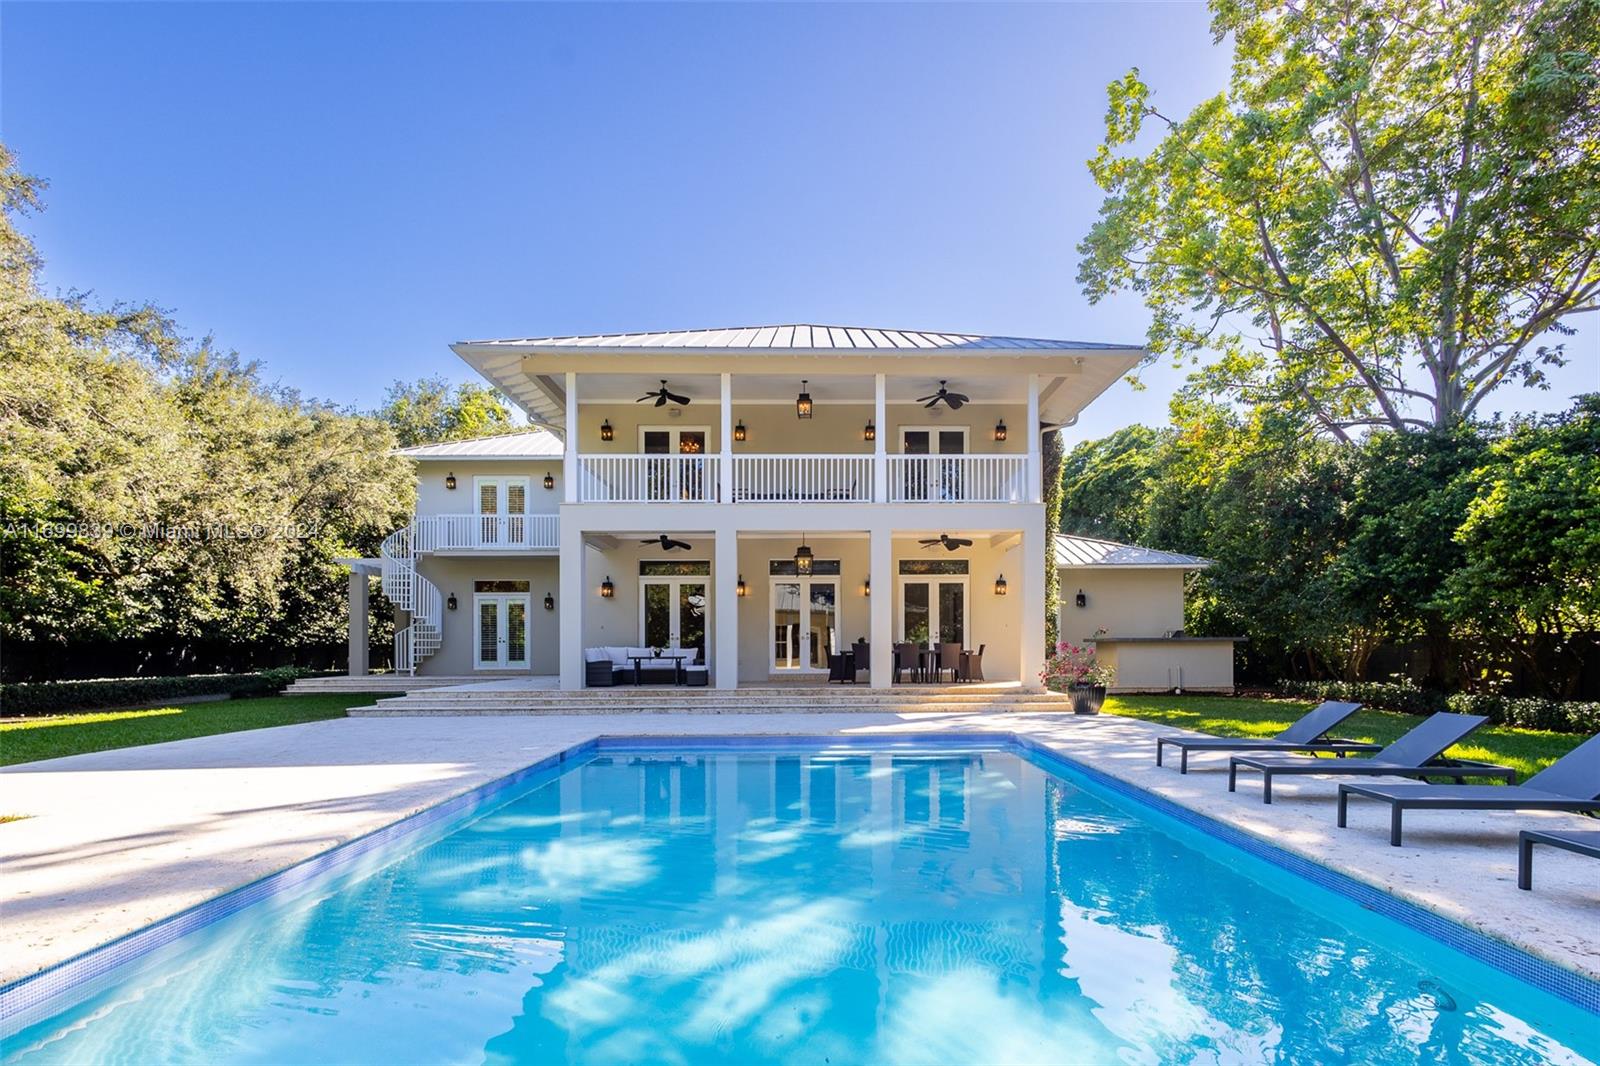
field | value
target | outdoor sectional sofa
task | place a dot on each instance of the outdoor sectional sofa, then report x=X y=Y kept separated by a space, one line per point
x=616 y=665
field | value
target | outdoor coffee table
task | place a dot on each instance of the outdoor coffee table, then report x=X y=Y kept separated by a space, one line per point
x=677 y=667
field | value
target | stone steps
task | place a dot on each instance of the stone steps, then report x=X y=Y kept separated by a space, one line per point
x=790 y=700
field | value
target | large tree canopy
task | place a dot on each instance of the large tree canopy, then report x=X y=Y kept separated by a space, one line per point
x=431 y=409
x=1385 y=216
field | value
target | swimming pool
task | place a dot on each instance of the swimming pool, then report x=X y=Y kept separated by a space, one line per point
x=806 y=900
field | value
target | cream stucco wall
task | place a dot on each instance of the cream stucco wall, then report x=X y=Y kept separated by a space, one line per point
x=456 y=574
x=434 y=498
x=1190 y=665
x=1126 y=602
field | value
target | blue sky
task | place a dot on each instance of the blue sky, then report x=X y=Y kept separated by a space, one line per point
x=341 y=190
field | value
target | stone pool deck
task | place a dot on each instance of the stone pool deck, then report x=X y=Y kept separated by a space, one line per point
x=115 y=840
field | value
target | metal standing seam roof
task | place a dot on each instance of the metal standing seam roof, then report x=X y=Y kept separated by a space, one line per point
x=807 y=337
x=1073 y=549
x=530 y=444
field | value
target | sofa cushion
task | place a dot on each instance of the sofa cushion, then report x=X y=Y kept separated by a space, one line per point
x=618 y=656
x=595 y=655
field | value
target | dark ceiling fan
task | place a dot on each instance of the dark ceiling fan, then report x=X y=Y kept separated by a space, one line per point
x=667 y=543
x=661 y=396
x=950 y=543
x=953 y=400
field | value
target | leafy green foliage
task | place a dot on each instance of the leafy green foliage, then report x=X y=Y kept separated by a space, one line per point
x=60 y=697
x=1380 y=221
x=429 y=410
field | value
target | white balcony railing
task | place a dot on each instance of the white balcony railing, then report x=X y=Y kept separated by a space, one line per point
x=647 y=479
x=958 y=478
x=485 y=532
x=802 y=478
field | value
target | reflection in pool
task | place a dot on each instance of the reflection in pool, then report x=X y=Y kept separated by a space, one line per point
x=725 y=905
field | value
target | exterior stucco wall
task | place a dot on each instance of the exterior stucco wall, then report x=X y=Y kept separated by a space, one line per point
x=455 y=574
x=1124 y=602
x=1190 y=665
x=433 y=498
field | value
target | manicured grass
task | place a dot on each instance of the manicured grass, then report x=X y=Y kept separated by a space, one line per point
x=1528 y=750
x=31 y=739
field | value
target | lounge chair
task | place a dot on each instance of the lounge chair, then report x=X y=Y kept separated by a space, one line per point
x=1416 y=754
x=1576 y=841
x=1310 y=733
x=1571 y=783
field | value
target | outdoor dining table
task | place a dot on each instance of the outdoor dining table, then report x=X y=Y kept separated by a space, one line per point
x=677 y=667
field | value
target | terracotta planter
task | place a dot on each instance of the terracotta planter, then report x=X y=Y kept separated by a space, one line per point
x=1086 y=699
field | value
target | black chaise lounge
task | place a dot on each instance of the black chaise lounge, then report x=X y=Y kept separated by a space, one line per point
x=1416 y=754
x=1571 y=783
x=1310 y=733
x=1580 y=842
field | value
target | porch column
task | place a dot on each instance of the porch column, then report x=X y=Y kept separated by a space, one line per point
x=1030 y=643
x=881 y=570
x=880 y=441
x=1035 y=457
x=725 y=436
x=725 y=614
x=359 y=642
x=570 y=605
x=569 y=459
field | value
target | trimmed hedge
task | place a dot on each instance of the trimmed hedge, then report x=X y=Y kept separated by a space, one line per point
x=65 y=697
x=1524 y=712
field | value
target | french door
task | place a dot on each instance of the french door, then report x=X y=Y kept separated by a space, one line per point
x=805 y=623
x=502 y=631
x=933 y=479
x=502 y=511
x=672 y=613
x=933 y=609
x=681 y=472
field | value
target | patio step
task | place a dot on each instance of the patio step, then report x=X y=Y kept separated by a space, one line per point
x=776 y=700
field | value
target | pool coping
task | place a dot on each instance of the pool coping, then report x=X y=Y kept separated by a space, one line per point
x=32 y=998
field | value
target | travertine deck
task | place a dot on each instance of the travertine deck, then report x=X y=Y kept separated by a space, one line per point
x=119 y=839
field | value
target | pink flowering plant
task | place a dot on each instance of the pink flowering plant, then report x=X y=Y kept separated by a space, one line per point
x=1075 y=665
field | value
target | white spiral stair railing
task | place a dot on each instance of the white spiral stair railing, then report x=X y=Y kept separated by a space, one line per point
x=410 y=591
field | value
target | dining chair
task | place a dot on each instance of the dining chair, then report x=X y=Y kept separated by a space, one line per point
x=972 y=664
x=906 y=657
x=949 y=659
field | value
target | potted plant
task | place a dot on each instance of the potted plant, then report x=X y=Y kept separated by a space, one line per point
x=1079 y=673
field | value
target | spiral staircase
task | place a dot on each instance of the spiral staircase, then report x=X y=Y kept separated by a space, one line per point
x=413 y=593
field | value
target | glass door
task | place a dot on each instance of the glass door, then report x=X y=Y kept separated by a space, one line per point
x=669 y=478
x=502 y=631
x=805 y=624
x=933 y=610
x=672 y=614
x=934 y=478
x=502 y=511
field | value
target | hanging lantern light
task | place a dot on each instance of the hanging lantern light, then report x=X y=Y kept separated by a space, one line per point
x=803 y=559
x=802 y=403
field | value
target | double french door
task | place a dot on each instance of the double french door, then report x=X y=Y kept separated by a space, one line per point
x=502 y=631
x=502 y=511
x=933 y=610
x=672 y=614
x=939 y=474
x=805 y=623
x=675 y=464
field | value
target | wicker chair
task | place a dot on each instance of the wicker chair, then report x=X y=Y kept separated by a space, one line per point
x=972 y=665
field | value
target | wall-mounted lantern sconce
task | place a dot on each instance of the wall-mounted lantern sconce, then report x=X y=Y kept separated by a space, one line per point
x=739 y=432
x=1080 y=599
x=1000 y=430
x=606 y=432
x=549 y=480
x=450 y=482
x=1000 y=585
x=549 y=602
x=450 y=602
x=871 y=432
x=741 y=588
x=607 y=589
x=866 y=587
x=802 y=403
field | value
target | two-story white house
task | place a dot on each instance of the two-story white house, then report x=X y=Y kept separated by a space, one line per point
x=740 y=506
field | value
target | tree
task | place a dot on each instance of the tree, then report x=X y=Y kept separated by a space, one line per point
x=1051 y=455
x=1107 y=483
x=1384 y=217
x=431 y=409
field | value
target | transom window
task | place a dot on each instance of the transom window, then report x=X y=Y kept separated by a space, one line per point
x=933 y=566
x=674 y=568
x=499 y=586
x=786 y=567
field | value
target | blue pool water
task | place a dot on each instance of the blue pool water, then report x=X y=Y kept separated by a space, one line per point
x=719 y=904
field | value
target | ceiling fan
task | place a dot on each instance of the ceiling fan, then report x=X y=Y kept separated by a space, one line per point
x=952 y=400
x=667 y=543
x=661 y=396
x=950 y=543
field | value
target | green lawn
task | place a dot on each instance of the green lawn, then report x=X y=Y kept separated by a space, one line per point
x=30 y=739
x=1529 y=750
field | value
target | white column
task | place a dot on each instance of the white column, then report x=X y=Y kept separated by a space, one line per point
x=880 y=443
x=573 y=600
x=359 y=640
x=1035 y=459
x=725 y=467
x=569 y=462
x=880 y=569
x=1030 y=645
x=725 y=612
